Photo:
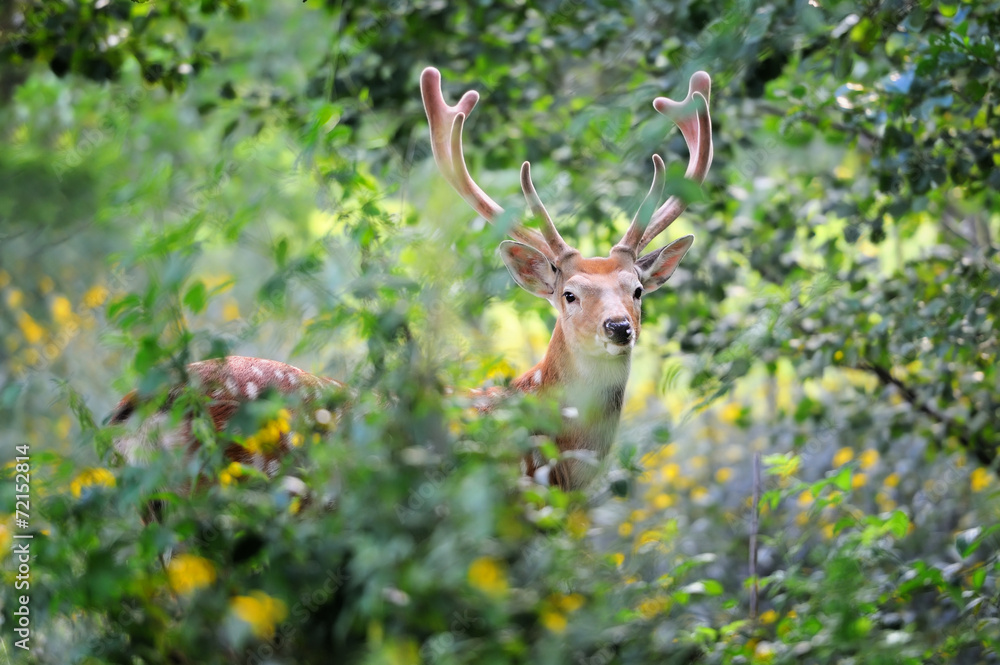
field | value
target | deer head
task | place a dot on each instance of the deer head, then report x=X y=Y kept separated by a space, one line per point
x=599 y=298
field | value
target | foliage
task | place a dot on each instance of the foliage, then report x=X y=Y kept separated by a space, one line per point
x=186 y=180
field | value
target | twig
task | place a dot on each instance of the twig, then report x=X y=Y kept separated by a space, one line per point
x=755 y=588
x=959 y=431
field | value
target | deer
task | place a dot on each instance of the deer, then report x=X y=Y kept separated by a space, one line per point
x=598 y=301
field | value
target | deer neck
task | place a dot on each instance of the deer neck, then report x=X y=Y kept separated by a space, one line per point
x=590 y=390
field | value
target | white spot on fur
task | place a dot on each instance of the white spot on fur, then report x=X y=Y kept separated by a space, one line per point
x=272 y=467
x=538 y=377
x=256 y=371
x=251 y=390
x=542 y=475
x=571 y=412
x=232 y=387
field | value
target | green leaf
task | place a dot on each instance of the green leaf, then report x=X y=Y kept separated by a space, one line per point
x=196 y=297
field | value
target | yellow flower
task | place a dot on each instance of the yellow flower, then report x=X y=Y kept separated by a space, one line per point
x=554 y=621
x=806 y=499
x=618 y=558
x=858 y=480
x=45 y=284
x=261 y=611
x=230 y=311
x=698 y=494
x=487 y=574
x=90 y=477
x=95 y=297
x=6 y=537
x=650 y=607
x=828 y=531
x=843 y=456
x=638 y=515
x=225 y=478
x=187 y=573
x=32 y=332
x=14 y=298
x=625 y=529
x=981 y=479
x=730 y=413
x=769 y=617
x=868 y=459
x=62 y=311
x=723 y=475
x=662 y=500
x=670 y=472
x=297 y=439
x=566 y=602
x=838 y=355
x=892 y=480
x=577 y=522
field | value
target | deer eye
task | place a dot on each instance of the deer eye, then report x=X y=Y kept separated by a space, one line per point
x=638 y=293
x=569 y=297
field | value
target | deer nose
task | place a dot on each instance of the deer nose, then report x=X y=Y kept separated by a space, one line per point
x=618 y=331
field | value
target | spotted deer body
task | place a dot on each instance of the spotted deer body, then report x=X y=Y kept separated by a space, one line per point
x=598 y=299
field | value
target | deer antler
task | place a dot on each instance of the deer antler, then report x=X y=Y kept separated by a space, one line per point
x=692 y=116
x=446 y=123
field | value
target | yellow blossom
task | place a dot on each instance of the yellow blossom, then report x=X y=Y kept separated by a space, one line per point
x=638 y=515
x=554 y=621
x=806 y=499
x=981 y=479
x=670 y=472
x=838 y=355
x=843 y=456
x=618 y=558
x=6 y=536
x=892 y=480
x=62 y=310
x=95 y=297
x=577 y=522
x=566 y=602
x=769 y=616
x=625 y=529
x=235 y=469
x=650 y=607
x=487 y=574
x=297 y=439
x=698 y=494
x=14 y=298
x=730 y=413
x=858 y=480
x=828 y=531
x=32 y=332
x=868 y=459
x=230 y=311
x=723 y=475
x=45 y=284
x=261 y=611
x=885 y=502
x=225 y=478
x=89 y=477
x=187 y=573
x=662 y=500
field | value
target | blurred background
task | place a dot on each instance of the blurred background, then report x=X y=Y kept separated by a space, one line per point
x=184 y=180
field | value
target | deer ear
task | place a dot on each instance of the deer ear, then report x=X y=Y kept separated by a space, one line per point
x=656 y=267
x=530 y=268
